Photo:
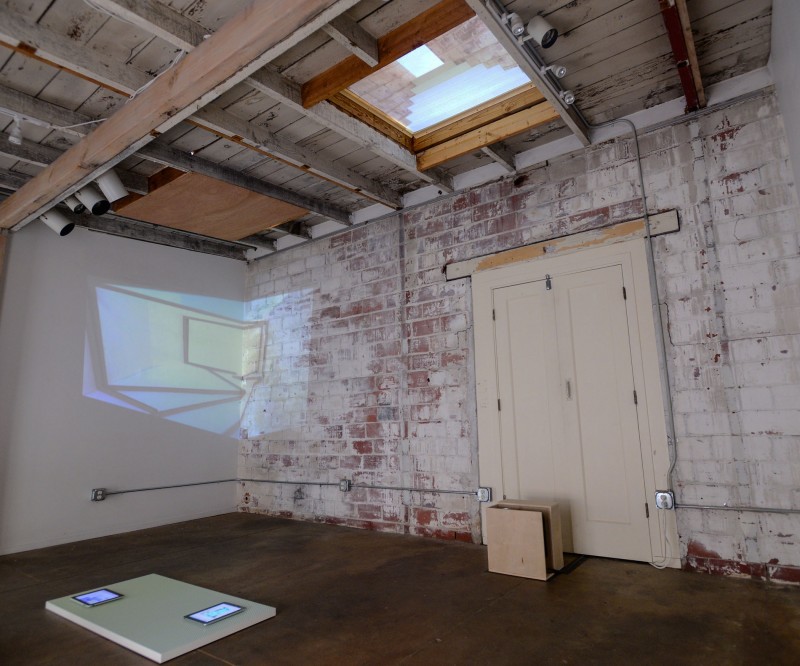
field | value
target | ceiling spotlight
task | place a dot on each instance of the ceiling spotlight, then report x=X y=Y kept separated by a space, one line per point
x=542 y=32
x=515 y=24
x=568 y=96
x=74 y=205
x=15 y=135
x=559 y=71
x=110 y=185
x=57 y=222
x=93 y=200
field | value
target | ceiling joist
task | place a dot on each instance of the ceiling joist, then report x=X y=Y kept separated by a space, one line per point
x=354 y=38
x=516 y=123
x=428 y=25
x=56 y=117
x=182 y=32
x=127 y=81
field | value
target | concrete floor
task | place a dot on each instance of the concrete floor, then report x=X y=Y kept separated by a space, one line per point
x=354 y=597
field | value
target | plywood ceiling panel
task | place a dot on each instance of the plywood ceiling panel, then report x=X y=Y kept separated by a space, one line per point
x=203 y=205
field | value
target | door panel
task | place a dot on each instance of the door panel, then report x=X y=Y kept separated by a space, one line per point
x=568 y=424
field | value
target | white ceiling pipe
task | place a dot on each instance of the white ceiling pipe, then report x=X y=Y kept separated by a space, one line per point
x=93 y=200
x=110 y=185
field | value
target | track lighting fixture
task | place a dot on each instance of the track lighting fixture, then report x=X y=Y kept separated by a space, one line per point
x=74 y=205
x=568 y=96
x=111 y=186
x=57 y=222
x=515 y=24
x=559 y=71
x=93 y=200
x=15 y=135
x=542 y=32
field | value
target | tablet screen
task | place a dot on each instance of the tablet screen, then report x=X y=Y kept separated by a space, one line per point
x=97 y=597
x=215 y=613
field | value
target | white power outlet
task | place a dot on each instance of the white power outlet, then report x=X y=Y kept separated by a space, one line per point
x=665 y=499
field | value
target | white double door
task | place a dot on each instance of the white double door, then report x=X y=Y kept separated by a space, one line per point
x=567 y=408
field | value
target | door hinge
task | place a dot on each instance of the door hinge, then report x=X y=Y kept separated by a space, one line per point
x=547 y=283
x=624 y=294
x=646 y=509
x=498 y=404
x=635 y=398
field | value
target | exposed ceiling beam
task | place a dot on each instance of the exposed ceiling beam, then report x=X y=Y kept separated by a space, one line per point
x=501 y=129
x=354 y=38
x=502 y=155
x=502 y=33
x=245 y=43
x=423 y=28
x=184 y=33
x=326 y=114
x=159 y=152
x=686 y=23
x=681 y=40
x=41 y=155
x=248 y=134
x=55 y=116
x=127 y=80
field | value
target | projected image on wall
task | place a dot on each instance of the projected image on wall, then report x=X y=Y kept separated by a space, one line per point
x=175 y=356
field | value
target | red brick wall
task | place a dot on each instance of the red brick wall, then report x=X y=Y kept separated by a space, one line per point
x=368 y=366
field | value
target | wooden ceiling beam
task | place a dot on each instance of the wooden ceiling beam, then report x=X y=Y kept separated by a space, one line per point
x=40 y=155
x=184 y=33
x=475 y=118
x=679 y=30
x=245 y=43
x=420 y=30
x=354 y=38
x=488 y=134
x=501 y=155
x=127 y=81
x=54 y=116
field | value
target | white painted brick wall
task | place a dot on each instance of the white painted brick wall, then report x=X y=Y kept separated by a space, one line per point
x=368 y=364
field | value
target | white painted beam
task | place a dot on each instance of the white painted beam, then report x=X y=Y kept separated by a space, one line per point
x=354 y=38
x=127 y=80
x=184 y=33
x=502 y=155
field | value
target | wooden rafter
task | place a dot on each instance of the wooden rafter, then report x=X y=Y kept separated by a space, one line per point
x=126 y=80
x=501 y=129
x=354 y=38
x=185 y=34
x=428 y=25
x=245 y=43
x=50 y=114
x=374 y=117
x=493 y=110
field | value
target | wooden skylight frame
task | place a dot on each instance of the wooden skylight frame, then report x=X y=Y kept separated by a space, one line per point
x=509 y=114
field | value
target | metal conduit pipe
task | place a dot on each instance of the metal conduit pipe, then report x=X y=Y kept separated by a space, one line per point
x=725 y=507
x=498 y=10
x=483 y=494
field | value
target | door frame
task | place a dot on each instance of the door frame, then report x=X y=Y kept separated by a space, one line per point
x=632 y=258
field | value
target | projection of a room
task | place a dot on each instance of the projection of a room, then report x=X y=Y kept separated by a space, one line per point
x=198 y=360
x=175 y=356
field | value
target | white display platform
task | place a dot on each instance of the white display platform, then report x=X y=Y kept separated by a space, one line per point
x=149 y=619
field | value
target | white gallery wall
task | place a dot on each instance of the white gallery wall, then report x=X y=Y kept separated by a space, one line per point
x=784 y=69
x=117 y=369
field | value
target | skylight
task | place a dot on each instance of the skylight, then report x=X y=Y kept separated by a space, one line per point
x=420 y=61
x=456 y=72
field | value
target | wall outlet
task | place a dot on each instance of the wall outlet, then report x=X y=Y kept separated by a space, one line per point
x=345 y=485
x=665 y=499
x=98 y=494
x=484 y=494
